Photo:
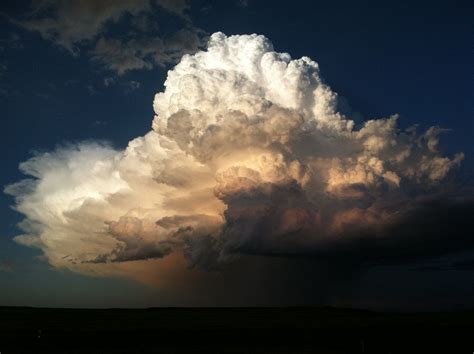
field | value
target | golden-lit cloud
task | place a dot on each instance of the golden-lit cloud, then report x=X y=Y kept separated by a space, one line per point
x=249 y=154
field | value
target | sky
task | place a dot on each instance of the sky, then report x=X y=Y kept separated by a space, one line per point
x=253 y=178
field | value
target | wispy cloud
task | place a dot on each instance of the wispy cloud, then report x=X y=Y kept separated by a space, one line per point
x=70 y=23
x=79 y=25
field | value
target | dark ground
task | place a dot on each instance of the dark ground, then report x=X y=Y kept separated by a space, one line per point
x=232 y=330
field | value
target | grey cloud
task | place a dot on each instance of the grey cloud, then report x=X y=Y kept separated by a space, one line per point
x=118 y=56
x=109 y=81
x=76 y=25
x=133 y=85
x=6 y=266
x=122 y=56
x=76 y=21
x=140 y=239
x=176 y=6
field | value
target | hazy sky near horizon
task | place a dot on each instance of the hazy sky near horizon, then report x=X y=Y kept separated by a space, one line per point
x=246 y=181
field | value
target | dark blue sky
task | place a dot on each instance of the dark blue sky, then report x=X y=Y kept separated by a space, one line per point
x=412 y=58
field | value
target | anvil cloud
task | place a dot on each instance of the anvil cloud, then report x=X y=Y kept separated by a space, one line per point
x=249 y=153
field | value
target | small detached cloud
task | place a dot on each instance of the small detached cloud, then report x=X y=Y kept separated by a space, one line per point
x=109 y=81
x=131 y=86
x=178 y=7
x=6 y=267
x=123 y=56
x=243 y=3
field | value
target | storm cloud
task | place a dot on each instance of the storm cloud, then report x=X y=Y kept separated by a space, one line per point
x=249 y=154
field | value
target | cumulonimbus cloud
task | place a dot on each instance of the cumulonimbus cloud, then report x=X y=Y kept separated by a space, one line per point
x=248 y=154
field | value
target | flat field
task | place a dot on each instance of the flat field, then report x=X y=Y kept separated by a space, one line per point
x=233 y=330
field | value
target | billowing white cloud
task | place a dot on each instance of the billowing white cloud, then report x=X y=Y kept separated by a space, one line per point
x=248 y=154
